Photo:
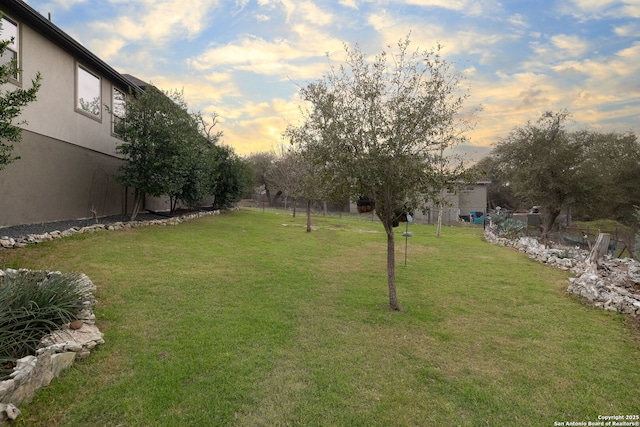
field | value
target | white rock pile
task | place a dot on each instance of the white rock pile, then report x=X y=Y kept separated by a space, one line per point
x=614 y=284
x=20 y=242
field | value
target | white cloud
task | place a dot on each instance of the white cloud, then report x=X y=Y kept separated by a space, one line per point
x=560 y=47
x=158 y=21
x=518 y=20
x=628 y=30
x=108 y=48
x=279 y=57
x=466 y=7
x=569 y=45
x=599 y=9
x=348 y=3
x=465 y=42
x=306 y=11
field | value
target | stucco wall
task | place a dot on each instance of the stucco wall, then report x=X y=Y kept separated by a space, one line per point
x=54 y=113
x=55 y=180
x=473 y=198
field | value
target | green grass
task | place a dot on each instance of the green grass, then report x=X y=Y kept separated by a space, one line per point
x=239 y=320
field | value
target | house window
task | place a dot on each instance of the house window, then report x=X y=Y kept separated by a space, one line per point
x=9 y=31
x=118 y=103
x=88 y=99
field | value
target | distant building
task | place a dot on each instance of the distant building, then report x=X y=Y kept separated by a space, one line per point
x=458 y=204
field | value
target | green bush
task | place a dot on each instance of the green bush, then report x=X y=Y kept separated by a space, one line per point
x=33 y=304
x=508 y=227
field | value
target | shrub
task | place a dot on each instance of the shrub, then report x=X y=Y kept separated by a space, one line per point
x=32 y=305
x=508 y=227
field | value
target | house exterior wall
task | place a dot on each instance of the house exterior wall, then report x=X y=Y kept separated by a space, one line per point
x=55 y=180
x=473 y=198
x=68 y=158
x=54 y=113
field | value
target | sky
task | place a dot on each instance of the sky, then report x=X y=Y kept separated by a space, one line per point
x=245 y=60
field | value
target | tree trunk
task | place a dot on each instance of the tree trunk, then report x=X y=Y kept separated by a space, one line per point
x=295 y=203
x=137 y=204
x=391 y=268
x=547 y=219
x=439 y=226
x=308 y=216
x=598 y=251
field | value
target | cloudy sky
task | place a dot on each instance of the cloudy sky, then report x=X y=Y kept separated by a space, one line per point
x=244 y=59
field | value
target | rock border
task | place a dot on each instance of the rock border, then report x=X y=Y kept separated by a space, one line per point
x=73 y=341
x=22 y=241
x=614 y=285
x=57 y=352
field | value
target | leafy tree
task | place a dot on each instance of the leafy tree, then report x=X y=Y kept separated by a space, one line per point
x=260 y=163
x=609 y=173
x=160 y=140
x=11 y=104
x=590 y=174
x=539 y=161
x=373 y=128
x=202 y=160
x=230 y=179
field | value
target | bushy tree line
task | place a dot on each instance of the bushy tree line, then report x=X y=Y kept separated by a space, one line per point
x=586 y=173
x=172 y=152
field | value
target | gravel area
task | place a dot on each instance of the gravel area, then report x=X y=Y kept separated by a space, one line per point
x=26 y=229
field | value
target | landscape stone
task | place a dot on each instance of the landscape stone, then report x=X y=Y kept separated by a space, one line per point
x=21 y=242
x=612 y=284
x=57 y=351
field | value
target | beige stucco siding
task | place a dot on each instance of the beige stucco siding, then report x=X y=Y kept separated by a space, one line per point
x=55 y=180
x=473 y=198
x=54 y=114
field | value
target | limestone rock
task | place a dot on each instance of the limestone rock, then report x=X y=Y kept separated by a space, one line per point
x=614 y=285
x=8 y=412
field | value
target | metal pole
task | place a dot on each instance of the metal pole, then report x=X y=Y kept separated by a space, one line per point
x=406 y=242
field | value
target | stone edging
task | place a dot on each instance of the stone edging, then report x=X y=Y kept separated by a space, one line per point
x=614 y=285
x=57 y=352
x=20 y=242
x=61 y=348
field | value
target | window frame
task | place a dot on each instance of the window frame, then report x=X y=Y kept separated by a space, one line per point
x=16 y=78
x=76 y=100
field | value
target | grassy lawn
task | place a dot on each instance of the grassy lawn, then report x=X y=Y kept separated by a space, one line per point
x=240 y=320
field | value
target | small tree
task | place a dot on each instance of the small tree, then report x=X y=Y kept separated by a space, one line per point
x=260 y=163
x=374 y=127
x=284 y=175
x=11 y=104
x=313 y=180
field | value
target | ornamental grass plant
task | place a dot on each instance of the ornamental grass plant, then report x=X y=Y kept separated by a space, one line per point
x=244 y=319
x=32 y=305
